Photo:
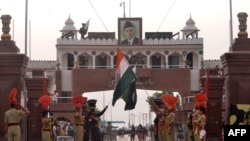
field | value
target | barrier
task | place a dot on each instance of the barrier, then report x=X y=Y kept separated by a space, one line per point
x=64 y=138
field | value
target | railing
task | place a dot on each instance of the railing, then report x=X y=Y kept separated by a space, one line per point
x=137 y=65
x=189 y=99
x=64 y=138
x=114 y=42
x=61 y=99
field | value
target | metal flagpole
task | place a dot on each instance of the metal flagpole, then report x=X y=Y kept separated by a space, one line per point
x=13 y=31
x=30 y=39
x=26 y=23
x=123 y=4
x=231 y=26
x=129 y=8
x=103 y=97
x=111 y=114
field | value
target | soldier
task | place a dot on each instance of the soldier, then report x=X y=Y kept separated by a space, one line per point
x=170 y=102
x=46 y=118
x=79 y=119
x=199 y=117
x=161 y=113
x=13 y=117
x=92 y=120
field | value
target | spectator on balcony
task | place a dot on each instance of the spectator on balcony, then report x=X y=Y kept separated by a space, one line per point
x=55 y=97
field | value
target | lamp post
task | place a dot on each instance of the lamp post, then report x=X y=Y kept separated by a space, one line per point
x=131 y=119
x=123 y=4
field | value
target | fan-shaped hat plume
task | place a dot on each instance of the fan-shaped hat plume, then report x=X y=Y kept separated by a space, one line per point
x=200 y=99
x=78 y=101
x=169 y=100
x=44 y=101
x=12 y=96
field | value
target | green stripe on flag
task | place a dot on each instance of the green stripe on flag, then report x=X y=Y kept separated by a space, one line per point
x=123 y=84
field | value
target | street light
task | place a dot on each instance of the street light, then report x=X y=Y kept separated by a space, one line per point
x=123 y=4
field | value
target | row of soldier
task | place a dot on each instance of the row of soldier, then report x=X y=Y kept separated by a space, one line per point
x=86 y=119
x=165 y=120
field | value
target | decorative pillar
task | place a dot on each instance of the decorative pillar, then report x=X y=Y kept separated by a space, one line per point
x=35 y=90
x=214 y=106
x=12 y=73
x=236 y=66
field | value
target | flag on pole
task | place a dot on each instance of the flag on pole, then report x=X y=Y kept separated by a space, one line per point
x=86 y=27
x=206 y=87
x=130 y=97
x=125 y=85
x=45 y=92
x=205 y=90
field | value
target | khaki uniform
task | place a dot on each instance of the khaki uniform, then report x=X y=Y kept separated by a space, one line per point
x=79 y=128
x=162 y=128
x=12 y=118
x=46 y=129
x=170 y=120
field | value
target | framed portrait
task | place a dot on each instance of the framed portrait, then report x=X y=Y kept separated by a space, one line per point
x=129 y=31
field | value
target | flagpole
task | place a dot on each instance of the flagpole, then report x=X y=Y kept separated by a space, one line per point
x=26 y=23
x=231 y=25
x=129 y=8
x=103 y=97
x=111 y=114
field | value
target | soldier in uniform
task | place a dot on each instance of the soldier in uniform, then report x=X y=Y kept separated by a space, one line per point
x=46 y=118
x=92 y=120
x=161 y=113
x=199 y=117
x=13 y=117
x=170 y=102
x=79 y=119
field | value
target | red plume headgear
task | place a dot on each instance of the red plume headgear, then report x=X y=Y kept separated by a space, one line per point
x=169 y=100
x=78 y=101
x=200 y=99
x=44 y=101
x=12 y=96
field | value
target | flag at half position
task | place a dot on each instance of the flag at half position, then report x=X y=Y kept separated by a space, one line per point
x=125 y=82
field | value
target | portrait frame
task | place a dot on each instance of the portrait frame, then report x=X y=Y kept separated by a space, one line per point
x=137 y=22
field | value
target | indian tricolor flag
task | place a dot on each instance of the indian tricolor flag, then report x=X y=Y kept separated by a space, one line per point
x=125 y=85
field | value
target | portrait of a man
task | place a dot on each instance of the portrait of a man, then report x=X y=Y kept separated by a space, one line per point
x=130 y=32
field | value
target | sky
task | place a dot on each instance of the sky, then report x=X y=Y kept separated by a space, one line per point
x=47 y=17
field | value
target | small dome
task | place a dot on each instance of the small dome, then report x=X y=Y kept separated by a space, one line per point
x=69 y=25
x=190 y=25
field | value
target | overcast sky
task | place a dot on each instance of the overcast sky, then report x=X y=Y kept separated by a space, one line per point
x=47 y=18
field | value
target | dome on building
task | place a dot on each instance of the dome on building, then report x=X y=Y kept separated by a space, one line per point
x=69 y=25
x=190 y=25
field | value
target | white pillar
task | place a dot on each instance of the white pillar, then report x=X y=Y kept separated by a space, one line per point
x=112 y=61
x=148 y=61
x=93 y=61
